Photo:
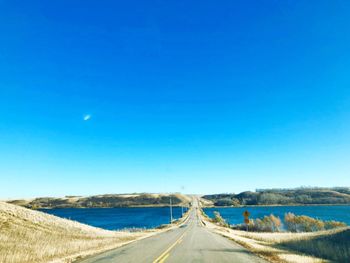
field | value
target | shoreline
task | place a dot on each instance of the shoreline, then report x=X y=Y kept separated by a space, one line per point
x=291 y=205
x=179 y=206
x=96 y=207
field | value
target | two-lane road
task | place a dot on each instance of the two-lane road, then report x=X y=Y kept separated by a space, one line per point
x=191 y=242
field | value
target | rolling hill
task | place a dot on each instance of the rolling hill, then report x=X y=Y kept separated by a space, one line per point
x=298 y=196
x=109 y=200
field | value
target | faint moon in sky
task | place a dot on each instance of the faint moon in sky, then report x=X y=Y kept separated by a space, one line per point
x=87 y=117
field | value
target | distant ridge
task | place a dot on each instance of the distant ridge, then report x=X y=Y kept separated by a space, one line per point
x=338 y=189
x=297 y=196
x=108 y=200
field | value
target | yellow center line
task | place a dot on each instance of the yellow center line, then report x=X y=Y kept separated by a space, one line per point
x=165 y=254
x=164 y=258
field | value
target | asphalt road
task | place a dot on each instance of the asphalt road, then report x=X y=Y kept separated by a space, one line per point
x=191 y=242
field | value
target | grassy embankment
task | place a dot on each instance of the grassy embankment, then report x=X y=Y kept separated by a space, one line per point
x=321 y=246
x=32 y=236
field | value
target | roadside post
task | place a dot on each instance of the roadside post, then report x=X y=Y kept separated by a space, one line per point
x=246 y=215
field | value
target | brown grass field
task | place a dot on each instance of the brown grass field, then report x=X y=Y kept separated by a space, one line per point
x=33 y=236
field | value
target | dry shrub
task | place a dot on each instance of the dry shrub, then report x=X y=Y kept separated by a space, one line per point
x=269 y=223
x=294 y=223
x=219 y=219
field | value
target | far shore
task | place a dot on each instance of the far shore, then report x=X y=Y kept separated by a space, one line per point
x=241 y=206
x=100 y=207
x=178 y=206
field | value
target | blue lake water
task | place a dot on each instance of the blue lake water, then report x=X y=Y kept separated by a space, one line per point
x=118 y=218
x=233 y=215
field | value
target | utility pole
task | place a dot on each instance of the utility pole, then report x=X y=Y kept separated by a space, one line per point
x=182 y=211
x=171 y=211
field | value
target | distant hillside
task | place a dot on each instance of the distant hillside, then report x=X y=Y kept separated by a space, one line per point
x=299 y=196
x=112 y=200
x=33 y=236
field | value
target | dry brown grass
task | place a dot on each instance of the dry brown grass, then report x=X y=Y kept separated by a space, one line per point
x=286 y=236
x=331 y=245
x=32 y=236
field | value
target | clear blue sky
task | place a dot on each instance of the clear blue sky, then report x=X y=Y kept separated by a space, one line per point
x=192 y=96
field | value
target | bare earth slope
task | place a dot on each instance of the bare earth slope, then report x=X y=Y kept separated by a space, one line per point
x=32 y=236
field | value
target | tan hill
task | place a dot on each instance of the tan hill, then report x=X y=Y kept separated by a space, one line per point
x=109 y=200
x=33 y=236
